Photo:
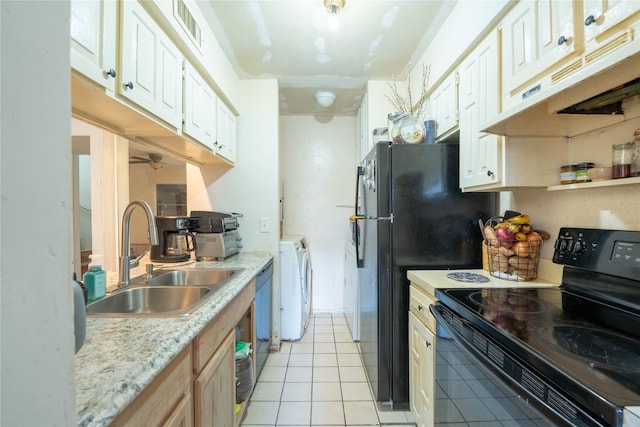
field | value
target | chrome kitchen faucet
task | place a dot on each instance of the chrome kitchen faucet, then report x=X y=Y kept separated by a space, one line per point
x=125 y=252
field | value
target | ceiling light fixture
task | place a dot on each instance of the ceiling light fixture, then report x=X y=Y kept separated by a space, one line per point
x=325 y=98
x=334 y=6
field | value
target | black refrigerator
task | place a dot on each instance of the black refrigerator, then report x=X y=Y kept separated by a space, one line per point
x=411 y=214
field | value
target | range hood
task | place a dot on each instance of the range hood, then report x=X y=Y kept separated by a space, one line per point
x=595 y=96
x=609 y=102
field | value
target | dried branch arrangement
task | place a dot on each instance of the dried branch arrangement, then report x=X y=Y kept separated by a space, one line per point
x=403 y=105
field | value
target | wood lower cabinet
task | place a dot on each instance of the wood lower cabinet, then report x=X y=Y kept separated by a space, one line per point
x=198 y=387
x=166 y=401
x=182 y=415
x=214 y=361
x=214 y=389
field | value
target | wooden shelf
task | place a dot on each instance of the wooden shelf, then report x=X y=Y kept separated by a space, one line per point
x=596 y=184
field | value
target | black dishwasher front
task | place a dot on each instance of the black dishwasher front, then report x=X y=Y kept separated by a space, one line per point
x=263 y=315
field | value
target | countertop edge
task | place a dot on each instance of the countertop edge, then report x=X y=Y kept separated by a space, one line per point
x=430 y=280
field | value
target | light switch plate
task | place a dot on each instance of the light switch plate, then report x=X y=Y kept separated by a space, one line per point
x=265 y=225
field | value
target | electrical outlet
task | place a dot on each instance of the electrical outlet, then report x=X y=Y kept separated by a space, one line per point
x=265 y=225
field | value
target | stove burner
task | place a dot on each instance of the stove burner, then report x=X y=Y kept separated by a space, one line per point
x=518 y=301
x=605 y=350
x=464 y=276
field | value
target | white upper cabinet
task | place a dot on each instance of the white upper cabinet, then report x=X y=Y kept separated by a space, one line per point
x=226 y=132
x=479 y=102
x=602 y=16
x=490 y=162
x=151 y=66
x=93 y=40
x=537 y=35
x=444 y=106
x=596 y=49
x=200 y=107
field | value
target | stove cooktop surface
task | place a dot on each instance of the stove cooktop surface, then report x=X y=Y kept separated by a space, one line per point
x=548 y=329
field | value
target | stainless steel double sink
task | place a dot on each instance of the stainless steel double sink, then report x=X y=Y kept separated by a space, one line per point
x=167 y=293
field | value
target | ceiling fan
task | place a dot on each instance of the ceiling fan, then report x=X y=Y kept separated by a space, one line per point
x=154 y=160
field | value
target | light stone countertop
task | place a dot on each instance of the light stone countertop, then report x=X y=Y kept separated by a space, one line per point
x=430 y=280
x=121 y=356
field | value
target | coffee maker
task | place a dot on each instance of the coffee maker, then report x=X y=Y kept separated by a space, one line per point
x=175 y=239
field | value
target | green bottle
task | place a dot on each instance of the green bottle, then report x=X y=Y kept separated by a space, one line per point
x=95 y=279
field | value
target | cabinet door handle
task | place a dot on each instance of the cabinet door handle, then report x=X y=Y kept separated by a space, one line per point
x=590 y=20
x=427 y=343
x=489 y=173
x=111 y=72
x=420 y=308
x=129 y=85
x=562 y=40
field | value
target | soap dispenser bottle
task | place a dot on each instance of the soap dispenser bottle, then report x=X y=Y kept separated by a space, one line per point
x=95 y=279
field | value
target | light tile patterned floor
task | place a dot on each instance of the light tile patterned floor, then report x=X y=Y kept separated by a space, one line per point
x=318 y=381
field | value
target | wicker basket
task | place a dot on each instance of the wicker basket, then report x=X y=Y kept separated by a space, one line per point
x=514 y=260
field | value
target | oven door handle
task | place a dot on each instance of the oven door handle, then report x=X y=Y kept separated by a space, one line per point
x=437 y=313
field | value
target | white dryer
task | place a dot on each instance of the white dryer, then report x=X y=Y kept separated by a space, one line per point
x=295 y=287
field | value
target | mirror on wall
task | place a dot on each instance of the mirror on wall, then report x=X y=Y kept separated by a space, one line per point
x=108 y=172
x=161 y=181
x=82 y=203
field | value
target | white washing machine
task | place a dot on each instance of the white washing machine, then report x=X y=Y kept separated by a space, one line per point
x=295 y=287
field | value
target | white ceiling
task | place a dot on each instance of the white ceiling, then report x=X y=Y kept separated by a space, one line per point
x=290 y=40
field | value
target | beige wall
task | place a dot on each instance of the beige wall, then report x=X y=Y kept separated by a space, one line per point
x=318 y=184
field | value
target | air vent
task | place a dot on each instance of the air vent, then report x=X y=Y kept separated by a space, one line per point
x=566 y=71
x=480 y=342
x=496 y=355
x=562 y=406
x=188 y=22
x=457 y=324
x=533 y=384
x=609 y=47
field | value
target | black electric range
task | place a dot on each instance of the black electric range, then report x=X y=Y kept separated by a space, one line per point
x=574 y=349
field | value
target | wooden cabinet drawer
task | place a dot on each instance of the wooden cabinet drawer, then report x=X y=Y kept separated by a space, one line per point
x=419 y=303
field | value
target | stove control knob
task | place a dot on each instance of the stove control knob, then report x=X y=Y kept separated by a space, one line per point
x=556 y=246
x=563 y=246
x=570 y=246
x=578 y=248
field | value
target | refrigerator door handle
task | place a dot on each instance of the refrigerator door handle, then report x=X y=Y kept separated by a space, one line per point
x=359 y=260
x=376 y=218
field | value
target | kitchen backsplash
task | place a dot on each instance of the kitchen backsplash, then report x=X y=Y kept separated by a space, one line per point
x=614 y=207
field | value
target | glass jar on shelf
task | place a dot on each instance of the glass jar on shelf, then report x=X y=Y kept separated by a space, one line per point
x=568 y=174
x=635 y=158
x=582 y=172
x=622 y=159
